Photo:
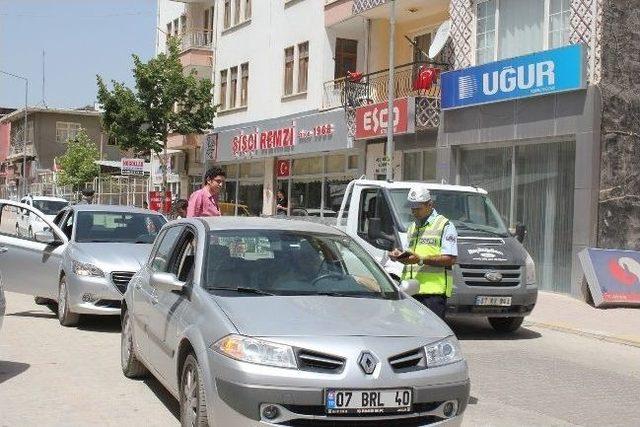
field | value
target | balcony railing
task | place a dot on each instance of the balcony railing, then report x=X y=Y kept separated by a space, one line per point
x=15 y=150
x=196 y=38
x=373 y=88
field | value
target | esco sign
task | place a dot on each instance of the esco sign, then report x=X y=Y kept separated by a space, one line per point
x=373 y=120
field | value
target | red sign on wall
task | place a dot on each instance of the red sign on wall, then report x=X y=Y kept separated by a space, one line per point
x=372 y=120
x=283 y=168
x=155 y=201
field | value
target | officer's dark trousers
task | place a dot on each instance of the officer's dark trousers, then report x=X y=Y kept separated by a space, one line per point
x=435 y=303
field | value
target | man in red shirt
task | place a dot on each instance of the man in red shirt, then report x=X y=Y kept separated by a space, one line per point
x=204 y=202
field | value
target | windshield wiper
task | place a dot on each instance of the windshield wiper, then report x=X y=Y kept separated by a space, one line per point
x=242 y=289
x=348 y=294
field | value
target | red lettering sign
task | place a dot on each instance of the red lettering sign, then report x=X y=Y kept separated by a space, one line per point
x=372 y=120
x=283 y=168
x=155 y=201
x=265 y=140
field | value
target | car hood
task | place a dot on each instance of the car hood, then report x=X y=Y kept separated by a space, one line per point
x=331 y=316
x=112 y=256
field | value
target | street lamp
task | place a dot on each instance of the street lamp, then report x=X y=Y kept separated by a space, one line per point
x=24 y=133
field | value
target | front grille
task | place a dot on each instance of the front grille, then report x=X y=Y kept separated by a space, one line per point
x=121 y=279
x=403 y=422
x=319 y=410
x=413 y=360
x=319 y=362
x=474 y=275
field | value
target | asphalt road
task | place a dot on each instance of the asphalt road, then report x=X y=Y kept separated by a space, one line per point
x=55 y=376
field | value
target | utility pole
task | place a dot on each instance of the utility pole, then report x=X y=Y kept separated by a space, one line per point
x=391 y=89
x=24 y=133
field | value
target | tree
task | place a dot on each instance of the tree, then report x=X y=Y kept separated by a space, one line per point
x=165 y=101
x=78 y=164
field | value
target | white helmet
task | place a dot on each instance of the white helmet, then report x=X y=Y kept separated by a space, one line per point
x=418 y=194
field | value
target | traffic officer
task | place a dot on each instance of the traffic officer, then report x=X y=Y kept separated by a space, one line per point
x=433 y=248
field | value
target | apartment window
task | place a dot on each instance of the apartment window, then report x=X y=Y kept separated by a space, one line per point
x=183 y=24
x=169 y=30
x=509 y=28
x=234 y=87
x=66 y=131
x=223 y=89
x=227 y=13
x=208 y=25
x=346 y=57
x=559 y=12
x=485 y=31
x=244 y=84
x=303 y=66
x=247 y=9
x=176 y=27
x=288 y=70
x=236 y=15
x=112 y=141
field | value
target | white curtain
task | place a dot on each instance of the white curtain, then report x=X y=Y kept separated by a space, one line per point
x=520 y=27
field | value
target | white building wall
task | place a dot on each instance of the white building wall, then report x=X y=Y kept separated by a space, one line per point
x=168 y=10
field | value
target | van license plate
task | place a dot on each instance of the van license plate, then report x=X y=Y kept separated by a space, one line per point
x=499 y=301
x=345 y=402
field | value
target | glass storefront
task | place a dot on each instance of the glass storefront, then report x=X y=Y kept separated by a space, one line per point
x=534 y=185
x=244 y=188
x=419 y=165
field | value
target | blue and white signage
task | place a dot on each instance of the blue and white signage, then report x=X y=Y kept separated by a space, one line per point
x=540 y=73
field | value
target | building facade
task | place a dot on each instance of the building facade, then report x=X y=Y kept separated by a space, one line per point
x=302 y=88
x=47 y=132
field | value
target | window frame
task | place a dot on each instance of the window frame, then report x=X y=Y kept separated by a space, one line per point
x=340 y=56
x=244 y=84
x=233 y=87
x=224 y=76
x=227 y=18
x=159 y=241
x=289 y=79
x=306 y=70
x=68 y=127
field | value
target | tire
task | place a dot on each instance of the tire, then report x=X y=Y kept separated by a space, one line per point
x=505 y=324
x=131 y=366
x=66 y=317
x=193 y=405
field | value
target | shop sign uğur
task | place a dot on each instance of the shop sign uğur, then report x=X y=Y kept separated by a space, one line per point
x=307 y=134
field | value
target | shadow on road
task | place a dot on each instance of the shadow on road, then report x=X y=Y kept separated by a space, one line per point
x=164 y=396
x=108 y=324
x=479 y=330
x=9 y=370
x=33 y=313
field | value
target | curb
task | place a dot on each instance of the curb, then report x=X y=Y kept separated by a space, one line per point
x=602 y=337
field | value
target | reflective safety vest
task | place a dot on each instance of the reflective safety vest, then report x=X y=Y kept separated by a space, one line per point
x=426 y=241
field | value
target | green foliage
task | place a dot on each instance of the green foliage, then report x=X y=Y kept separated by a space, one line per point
x=142 y=119
x=78 y=162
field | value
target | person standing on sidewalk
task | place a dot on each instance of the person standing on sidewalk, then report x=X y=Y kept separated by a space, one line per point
x=433 y=249
x=204 y=202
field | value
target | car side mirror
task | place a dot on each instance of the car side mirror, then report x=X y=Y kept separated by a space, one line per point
x=166 y=282
x=521 y=232
x=410 y=287
x=45 y=237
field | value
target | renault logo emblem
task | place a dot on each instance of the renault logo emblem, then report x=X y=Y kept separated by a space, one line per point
x=493 y=276
x=367 y=362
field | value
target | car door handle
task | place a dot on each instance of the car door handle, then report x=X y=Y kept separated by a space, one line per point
x=3 y=249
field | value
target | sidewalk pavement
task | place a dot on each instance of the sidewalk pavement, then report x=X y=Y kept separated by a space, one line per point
x=563 y=313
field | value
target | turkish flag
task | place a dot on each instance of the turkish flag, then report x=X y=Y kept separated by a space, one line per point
x=425 y=78
x=283 y=168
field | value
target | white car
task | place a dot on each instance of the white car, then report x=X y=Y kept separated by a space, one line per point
x=27 y=223
x=3 y=301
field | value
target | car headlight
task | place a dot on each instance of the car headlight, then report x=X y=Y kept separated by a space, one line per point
x=256 y=351
x=86 y=269
x=529 y=270
x=443 y=352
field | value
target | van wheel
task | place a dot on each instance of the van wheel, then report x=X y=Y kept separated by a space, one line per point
x=131 y=366
x=506 y=324
x=193 y=406
x=66 y=317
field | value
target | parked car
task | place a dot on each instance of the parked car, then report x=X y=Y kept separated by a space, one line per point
x=260 y=321
x=3 y=301
x=29 y=223
x=82 y=261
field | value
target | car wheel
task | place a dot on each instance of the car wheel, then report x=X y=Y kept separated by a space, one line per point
x=506 y=324
x=66 y=317
x=131 y=366
x=193 y=407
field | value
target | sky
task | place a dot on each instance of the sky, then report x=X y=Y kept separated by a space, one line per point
x=81 y=38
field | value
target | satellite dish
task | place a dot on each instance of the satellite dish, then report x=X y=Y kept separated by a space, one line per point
x=442 y=35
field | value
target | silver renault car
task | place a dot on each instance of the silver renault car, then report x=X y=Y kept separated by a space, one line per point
x=254 y=321
x=81 y=261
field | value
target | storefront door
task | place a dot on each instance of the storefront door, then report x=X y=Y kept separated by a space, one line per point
x=533 y=185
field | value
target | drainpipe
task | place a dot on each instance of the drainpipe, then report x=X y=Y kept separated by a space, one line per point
x=390 y=89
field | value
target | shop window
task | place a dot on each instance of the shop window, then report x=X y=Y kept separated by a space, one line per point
x=307 y=166
x=354 y=162
x=429 y=165
x=335 y=163
x=411 y=168
x=250 y=198
x=231 y=170
x=334 y=190
x=252 y=170
x=306 y=197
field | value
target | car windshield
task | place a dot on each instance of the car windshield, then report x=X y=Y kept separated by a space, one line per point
x=117 y=227
x=471 y=213
x=49 y=207
x=286 y=263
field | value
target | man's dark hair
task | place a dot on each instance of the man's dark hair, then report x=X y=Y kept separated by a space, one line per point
x=213 y=172
x=180 y=204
